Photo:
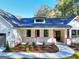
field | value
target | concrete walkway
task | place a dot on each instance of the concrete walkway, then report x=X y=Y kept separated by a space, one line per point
x=64 y=51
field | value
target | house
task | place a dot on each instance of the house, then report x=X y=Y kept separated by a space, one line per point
x=41 y=29
x=37 y=29
x=7 y=30
x=74 y=30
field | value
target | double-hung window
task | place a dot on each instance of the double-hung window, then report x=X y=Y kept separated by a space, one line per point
x=28 y=33
x=46 y=33
x=75 y=33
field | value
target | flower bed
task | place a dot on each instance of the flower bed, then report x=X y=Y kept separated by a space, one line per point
x=34 y=48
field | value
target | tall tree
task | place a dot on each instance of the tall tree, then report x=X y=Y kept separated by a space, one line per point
x=52 y=14
x=66 y=8
x=44 y=11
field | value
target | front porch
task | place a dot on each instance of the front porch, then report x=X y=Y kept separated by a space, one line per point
x=43 y=34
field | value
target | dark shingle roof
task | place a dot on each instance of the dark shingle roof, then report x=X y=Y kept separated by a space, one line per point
x=29 y=22
x=50 y=22
x=10 y=18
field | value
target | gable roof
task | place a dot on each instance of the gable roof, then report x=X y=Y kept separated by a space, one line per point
x=49 y=22
x=9 y=17
x=29 y=22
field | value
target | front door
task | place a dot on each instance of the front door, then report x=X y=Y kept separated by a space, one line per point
x=2 y=40
x=58 y=36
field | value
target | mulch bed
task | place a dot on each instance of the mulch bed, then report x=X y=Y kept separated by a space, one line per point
x=38 y=48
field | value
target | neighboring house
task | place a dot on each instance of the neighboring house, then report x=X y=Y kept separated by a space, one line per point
x=38 y=29
x=74 y=31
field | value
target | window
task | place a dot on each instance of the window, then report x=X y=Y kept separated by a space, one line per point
x=78 y=32
x=75 y=33
x=37 y=33
x=28 y=33
x=39 y=20
x=45 y=33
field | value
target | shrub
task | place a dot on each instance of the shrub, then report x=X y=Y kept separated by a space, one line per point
x=43 y=44
x=27 y=49
x=7 y=47
x=33 y=44
x=21 y=46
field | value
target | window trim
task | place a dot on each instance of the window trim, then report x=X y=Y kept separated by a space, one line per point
x=47 y=35
x=39 y=22
x=27 y=33
x=36 y=33
x=76 y=34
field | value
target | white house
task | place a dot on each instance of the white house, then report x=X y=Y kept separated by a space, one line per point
x=74 y=30
x=7 y=30
x=37 y=29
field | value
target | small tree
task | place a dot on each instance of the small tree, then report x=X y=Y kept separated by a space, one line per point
x=7 y=47
x=33 y=44
x=43 y=44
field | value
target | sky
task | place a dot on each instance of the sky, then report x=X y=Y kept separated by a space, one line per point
x=24 y=8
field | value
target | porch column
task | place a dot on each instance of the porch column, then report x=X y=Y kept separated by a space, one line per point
x=32 y=32
x=41 y=33
x=65 y=33
x=51 y=33
x=70 y=34
x=65 y=36
x=68 y=37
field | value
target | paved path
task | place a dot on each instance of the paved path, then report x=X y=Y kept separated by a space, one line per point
x=64 y=51
x=4 y=58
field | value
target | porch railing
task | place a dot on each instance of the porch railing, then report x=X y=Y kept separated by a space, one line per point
x=35 y=39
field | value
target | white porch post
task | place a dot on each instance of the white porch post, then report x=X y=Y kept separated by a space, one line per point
x=70 y=34
x=32 y=32
x=41 y=32
x=65 y=33
x=68 y=38
x=51 y=33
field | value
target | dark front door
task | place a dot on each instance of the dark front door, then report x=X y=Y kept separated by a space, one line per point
x=58 y=35
x=2 y=40
x=37 y=33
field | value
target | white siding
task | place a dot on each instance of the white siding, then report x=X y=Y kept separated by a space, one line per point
x=75 y=26
x=11 y=34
